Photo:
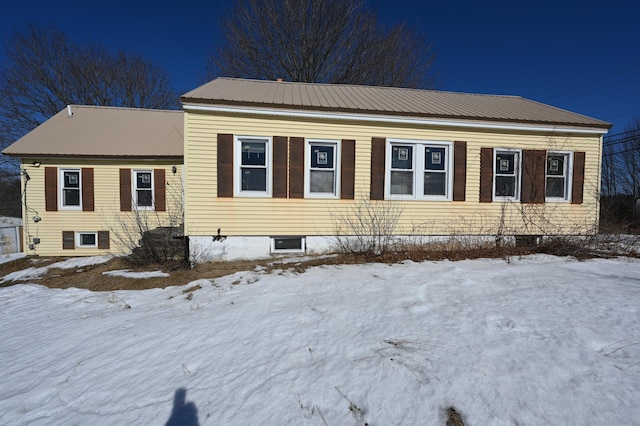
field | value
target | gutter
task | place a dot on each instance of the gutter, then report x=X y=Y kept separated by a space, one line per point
x=270 y=112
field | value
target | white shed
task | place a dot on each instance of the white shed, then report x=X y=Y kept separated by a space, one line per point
x=10 y=235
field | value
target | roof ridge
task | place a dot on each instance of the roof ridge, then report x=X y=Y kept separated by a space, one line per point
x=81 y=106
x=364 y=86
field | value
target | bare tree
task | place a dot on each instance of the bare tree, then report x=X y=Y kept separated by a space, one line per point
x=630 y=164
x=320 y=41
x=9 y=194
x=44 y=71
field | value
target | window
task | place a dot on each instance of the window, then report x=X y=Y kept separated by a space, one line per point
x=70 y=188
x=419 y=169
x=322 y=179
x=143 y=189
x=253 y=166
x=435 y=173
x=507 y=175
x=558 y=183
x=76 y=239
x=287 y=244
x=86 y=239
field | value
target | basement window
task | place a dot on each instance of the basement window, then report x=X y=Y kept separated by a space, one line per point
x=287 y=245
x=86 y=239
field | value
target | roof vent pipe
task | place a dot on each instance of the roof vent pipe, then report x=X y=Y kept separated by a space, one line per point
x=69 y=112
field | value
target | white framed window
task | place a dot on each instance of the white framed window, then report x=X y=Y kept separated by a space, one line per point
x=288 y=244
x=419 y=170
x=252 y=166
x=558 y=176
x=506 y=175
x=143 y=189
x=86 y=239
x=322 y=177
x=70 y=189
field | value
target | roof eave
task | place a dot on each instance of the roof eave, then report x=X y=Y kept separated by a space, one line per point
x=99 y=156
x=394 y=117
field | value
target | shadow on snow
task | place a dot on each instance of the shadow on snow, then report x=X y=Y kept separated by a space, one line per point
x=183 y=413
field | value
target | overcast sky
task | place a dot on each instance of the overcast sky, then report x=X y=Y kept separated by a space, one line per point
x=567 y=54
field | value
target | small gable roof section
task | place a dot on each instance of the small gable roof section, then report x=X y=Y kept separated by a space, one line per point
x=96 y=131
x=385 y=101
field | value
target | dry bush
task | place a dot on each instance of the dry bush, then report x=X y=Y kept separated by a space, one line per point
x=367 y=227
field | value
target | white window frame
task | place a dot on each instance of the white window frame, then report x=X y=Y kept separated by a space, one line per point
x=78 y=238
x=419 y=169
x=517 y=171
x=336 y=168
x=568 y=176
x=134 y=190
x=237 y=166
x=61 y=188
x=302 y=249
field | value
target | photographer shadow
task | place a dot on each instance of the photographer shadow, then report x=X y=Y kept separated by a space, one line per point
x=183 y=413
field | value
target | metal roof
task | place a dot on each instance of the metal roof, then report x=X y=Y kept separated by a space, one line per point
x=105 y=132
x=389 y=101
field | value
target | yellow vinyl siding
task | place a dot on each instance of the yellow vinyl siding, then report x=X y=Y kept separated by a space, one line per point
x=106 y=215
x=242 y=216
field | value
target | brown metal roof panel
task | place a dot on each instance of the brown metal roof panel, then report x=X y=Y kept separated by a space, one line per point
x=319 y=98
x=349 y=98
x=385 y=100
x=105 y=131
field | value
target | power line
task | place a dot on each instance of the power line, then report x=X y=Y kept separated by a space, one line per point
x=597 y=83
x=622 y=137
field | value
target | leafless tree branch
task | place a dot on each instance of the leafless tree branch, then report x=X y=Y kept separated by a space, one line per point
x=327 y=41
x=44 y=71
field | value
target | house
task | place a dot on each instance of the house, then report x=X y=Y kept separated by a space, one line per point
x=89 y=174
x=275 y=166
x=257 y=168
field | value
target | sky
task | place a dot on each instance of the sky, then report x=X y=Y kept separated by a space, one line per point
x=574 y=55
x=535 y=340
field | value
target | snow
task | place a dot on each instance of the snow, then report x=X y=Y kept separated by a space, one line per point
x=534 y=340
x=4 y=258
x=131 y=274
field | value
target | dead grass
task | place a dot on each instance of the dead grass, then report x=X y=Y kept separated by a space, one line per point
x=453 y=417
x=92 y=277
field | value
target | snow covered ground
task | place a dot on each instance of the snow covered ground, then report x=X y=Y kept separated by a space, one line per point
x=536 y=341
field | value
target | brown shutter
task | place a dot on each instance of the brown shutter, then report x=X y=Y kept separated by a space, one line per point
x=103 y=240
x=280 y=148
x=347 y=169
x=225 y=165
x=68 y=240
x=533 y=176
x=296 y=167
x=125 y=190
x=377 y=168
x=51 y=189
x=160 y=189
x=87 y=190
x=486 y=175
x=459 y=170
x=577 y=187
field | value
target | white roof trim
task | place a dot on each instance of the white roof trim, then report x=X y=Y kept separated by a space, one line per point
x=394 y=119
